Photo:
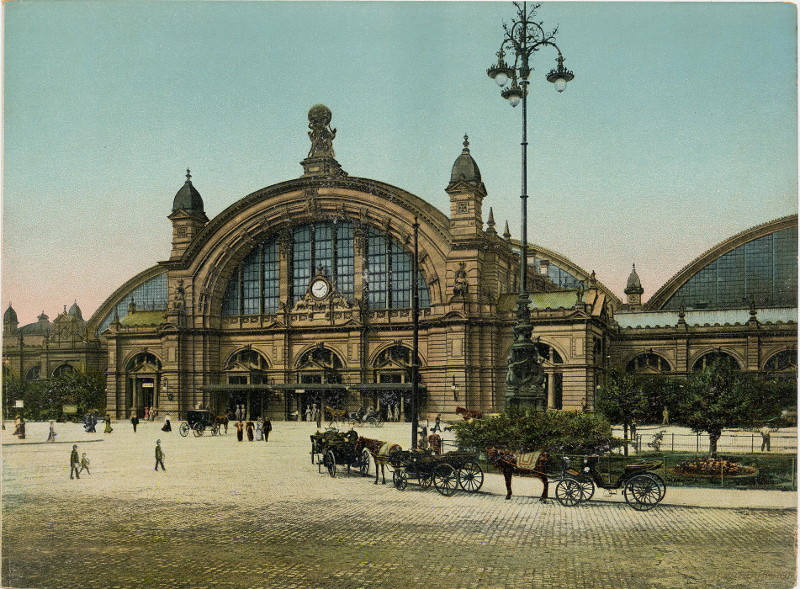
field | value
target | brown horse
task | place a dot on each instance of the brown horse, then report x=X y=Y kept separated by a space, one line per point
x=380 y=451
x=222 y=421
x=469 y=413
x=508 y=463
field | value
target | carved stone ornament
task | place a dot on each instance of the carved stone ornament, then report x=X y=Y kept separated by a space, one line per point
x=321 y=134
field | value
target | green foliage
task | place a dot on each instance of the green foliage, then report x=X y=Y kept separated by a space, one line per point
x=45 y=399
x=622 y=399
x=528 y=431
x=720 y=396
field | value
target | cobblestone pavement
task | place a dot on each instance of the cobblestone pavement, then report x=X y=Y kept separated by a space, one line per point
x=233 y=515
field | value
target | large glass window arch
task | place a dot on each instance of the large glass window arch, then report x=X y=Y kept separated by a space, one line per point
x=254 y=287
x=762 y=271
x=783 y=361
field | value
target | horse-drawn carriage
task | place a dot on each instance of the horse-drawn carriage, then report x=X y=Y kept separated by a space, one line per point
x=197 y=422
x=642 y=488
x=333 y=447
x=446 y=472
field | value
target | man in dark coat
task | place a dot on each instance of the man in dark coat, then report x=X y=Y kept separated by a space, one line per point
x=74 y=463
x=267 y=427
x=159 y=455
x=134 y=422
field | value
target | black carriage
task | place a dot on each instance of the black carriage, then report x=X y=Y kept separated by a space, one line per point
x=642 y=488
x=446 y=472
x=332 y=447
x=197 y=422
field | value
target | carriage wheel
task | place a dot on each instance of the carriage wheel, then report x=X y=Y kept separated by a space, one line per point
x=445 y=479
x=214 y=429
x=587 y=487
x=569 y=492
x=425 y=481
x=400 y=479
x=470 y=476
x=198 y=429
x=644 y=491
x=363 y=468
x=184 y=429
x=329 y=460
x=371 y=421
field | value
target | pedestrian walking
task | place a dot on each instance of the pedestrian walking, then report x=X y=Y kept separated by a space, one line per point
x=19 y=427
x=108 y=429
x=84 y=464
x=92 y=423
x=159 y=455
x=259 y=432
x=146 y=413
x=765 y=438
x=239 y=431
x=74 y=463
x=437 y=427
x=308 y=412
x=249 y=426
x=51 y=437
x=134 y=422
x=423 y=439
x=167 y=427
x=665 y=416
x=267 y=427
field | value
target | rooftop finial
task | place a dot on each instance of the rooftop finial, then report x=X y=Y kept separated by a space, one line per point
x=466 y=141
x=188 y=175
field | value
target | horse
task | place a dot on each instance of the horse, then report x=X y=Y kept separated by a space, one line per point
x=222 y=421
x=508 y=463
x=380 y=451
x=336 y=414
x=469 y=413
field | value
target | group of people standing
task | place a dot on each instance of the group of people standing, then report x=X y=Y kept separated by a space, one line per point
x=255 y=431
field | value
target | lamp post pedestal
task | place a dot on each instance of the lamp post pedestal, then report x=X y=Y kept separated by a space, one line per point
x=525 y=378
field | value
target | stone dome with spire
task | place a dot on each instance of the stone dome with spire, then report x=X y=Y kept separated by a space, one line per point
x=465 y=169
x=10 y=316
x=188 y=199
x=634 y=285
x=75 y=311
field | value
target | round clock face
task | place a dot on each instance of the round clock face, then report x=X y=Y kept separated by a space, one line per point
x=319 y=289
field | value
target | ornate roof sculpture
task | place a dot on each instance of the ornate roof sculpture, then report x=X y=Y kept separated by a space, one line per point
x=465 y=169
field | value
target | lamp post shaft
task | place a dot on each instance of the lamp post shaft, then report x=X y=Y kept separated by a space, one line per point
x=415 y=338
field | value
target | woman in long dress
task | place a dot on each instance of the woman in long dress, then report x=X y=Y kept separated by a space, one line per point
x=51 y=437
x=250 y=426
x=108 y=428
x=239 y=431
x=167 y=425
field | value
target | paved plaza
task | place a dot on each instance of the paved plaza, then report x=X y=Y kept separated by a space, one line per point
x=228 y=514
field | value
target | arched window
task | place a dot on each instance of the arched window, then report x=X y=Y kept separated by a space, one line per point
x=549 y=353
x=34 y=373
x=247 y=367
x=393 y=365
x=709 y=358
x=783 y=361
x=254 y=287
x=63 y=369
x=319 y=365
x=648 y=363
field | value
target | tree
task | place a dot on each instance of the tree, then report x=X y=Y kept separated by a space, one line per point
x=45 y=399
x=623 y=399
x=554 y=431
x=720 y=396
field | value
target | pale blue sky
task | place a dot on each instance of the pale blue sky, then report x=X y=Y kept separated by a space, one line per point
x=679 y=130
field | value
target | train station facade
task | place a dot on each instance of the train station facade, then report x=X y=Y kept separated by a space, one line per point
x=300 y=293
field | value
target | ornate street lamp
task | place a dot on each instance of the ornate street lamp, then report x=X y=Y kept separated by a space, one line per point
x=525 y=378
